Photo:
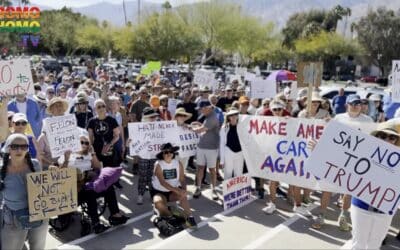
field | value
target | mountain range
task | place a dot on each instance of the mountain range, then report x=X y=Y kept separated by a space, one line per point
x=277 y=11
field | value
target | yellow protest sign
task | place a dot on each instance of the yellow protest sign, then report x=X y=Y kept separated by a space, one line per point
x=51 y=193
x=150 y=67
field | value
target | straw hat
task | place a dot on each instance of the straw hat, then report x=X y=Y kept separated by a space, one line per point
x=388 y=128
x=232 y=111
x=316 y=97
x=166 y=147
x=182 y=111
x=57 y=100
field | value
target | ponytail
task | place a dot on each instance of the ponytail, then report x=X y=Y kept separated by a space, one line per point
x=3 y=171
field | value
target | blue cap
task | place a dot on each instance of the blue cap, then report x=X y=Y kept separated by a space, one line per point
x=353 y=98
x=203 y=103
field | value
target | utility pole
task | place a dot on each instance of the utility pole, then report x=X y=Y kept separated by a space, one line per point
x=123 y=6
x=138 y=11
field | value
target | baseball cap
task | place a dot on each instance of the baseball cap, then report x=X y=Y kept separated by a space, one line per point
x=19 y=117
x=203 y=104
x=353 y=99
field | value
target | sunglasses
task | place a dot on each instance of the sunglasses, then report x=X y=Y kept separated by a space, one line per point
x=85 y=143
x=101 y=107
x=82 y=103
x=385 y=136
x=168 y=152
x=20 y=123
x=277 y=110
x=19 y=146
x=355 y=104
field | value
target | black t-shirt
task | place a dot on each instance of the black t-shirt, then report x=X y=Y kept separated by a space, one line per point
x=102 y=131
x=189 y=107
x=232 y=140
x=224 y=103
x=83 y=119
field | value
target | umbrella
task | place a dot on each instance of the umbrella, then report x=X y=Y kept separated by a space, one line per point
x=285 y=75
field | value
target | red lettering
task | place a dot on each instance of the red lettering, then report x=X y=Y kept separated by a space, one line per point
x=356 y=186
x=253 y=125
x=340 y=173
x=376 y=191
x=319 y=130
x=282 y=128
x=384 y=197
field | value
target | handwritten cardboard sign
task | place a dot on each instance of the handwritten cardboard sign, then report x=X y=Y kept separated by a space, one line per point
x=51 y=193
x=237 y=192
x=172 y=105
x=309 y=73
x=188 y=141
x=16 y=78
x=366 y=167
x=147 y=137
x=275 y=148
x=62 y=134
x=396 y=81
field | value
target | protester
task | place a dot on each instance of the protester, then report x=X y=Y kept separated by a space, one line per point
x=19 y=125
x=85 y=160
x=376 y=112
x=189 y=106
x=41 y=100
x=207 y=150
x=230 y=149
x=165 y=115
x=370 y=225
x=139 y=105
x=146 y=166
x=225 y=103
x=181 y=116
x=16 y=230
x=168 y=184
x=82 y=111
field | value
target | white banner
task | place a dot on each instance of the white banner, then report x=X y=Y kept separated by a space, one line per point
x=237 y=192
x=396 y=81
x=358 y=164
x=204 y=78
x=16 y=78
x=275 y=148
x=147 y=137
x=188 y=142
x=62 y=134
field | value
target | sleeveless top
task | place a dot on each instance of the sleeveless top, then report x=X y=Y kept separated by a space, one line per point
x=170 y=173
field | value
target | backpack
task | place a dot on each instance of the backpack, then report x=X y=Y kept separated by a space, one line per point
x=168 y=226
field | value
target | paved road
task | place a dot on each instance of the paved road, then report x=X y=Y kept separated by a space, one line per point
x=244 y=228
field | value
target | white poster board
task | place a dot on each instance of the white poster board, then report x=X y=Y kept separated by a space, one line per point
x=147 y=137
x=366 y=167
x=260 y=88
x=396 y=81
x=16 y=78
x=172 y=106
x=62 y=134
x=237 y=192
x=188 y=142
x=204 y=78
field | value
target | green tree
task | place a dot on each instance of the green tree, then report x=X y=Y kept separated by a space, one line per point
x=123 y=40
x=379 y=33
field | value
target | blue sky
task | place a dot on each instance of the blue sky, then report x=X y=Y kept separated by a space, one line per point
x=80 y=3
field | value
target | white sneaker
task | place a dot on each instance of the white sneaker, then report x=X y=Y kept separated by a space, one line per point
x=270 y=208
x=214 y=195
x=302 y=211
x=140 y=200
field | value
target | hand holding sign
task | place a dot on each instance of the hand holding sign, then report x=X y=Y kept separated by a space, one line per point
x=16 y=78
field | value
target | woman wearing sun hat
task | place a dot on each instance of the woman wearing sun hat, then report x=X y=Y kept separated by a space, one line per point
x=181 y=116
x=168 y=183
x=230 y=150
x=369 y=225
x=56 y=107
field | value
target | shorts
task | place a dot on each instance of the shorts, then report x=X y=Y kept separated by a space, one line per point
x=154 y=192
x=207 y=157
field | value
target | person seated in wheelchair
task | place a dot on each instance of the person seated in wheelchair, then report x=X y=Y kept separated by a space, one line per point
x=168 y=184
x=87 y=164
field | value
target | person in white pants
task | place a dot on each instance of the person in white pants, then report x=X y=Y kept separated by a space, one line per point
x=181 y=116
x=230 y=150
x=370 y=225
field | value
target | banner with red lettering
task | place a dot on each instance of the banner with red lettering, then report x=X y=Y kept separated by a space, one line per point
x=275 y=148
x=366 y=167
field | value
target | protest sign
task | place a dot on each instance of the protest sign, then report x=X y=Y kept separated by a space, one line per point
x=260 y=88
x=358 y=164
x=237 y=192
x=204 y=78
x=62 y=134
x=51 y=193
x=240 y=71
x=172 y=105
x=396 y=81
x=150 y=67
x=16 y=78
x=147 y=137
x=188 y=141
x=249 y=76
x=309 y=73
x=275 y=147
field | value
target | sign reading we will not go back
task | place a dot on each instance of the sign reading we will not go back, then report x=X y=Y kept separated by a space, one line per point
x=16 y=78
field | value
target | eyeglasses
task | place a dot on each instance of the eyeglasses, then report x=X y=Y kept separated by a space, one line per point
x=384 y=136
x=277 y=109
x=355 y=104
x=20 y=123
x=167 y=152
x=101 y=107
x=23 y=147
x=85 y=143
x=266 y=104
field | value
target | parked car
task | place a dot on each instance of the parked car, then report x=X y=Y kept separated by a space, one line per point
x=368 y=78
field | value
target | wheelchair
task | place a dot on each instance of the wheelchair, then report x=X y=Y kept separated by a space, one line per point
x=62 y=222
